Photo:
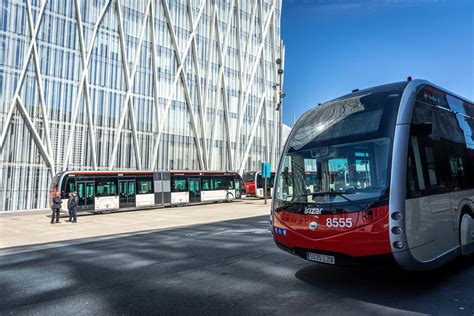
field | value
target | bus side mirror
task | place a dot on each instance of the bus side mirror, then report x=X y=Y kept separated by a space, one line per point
x=423 y=129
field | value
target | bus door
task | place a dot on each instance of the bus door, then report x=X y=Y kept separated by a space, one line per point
x=127 y=193
x=194 y=190
x=85 y=193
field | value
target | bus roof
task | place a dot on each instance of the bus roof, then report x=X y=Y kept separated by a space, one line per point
x=385 y=87
x=401 y=85
x=134 y=172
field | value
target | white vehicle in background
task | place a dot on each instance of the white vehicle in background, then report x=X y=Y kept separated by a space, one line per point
x=114 y=190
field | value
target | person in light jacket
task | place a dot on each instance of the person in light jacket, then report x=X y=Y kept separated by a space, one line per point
x=56 y=207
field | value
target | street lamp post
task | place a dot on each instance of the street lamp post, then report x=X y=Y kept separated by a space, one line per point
x=280 y=94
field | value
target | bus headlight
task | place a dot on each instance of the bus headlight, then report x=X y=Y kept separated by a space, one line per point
x=396 y=230
x=398 y=244
x=397 y=216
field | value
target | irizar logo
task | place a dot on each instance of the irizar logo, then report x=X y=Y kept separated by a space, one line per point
x=313 y=226
x=313 y=210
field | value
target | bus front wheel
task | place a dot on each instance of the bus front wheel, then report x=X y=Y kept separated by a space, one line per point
x=466 y=234
x=229 y=197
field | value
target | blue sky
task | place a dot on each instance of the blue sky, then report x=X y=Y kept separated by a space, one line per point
x=334 y=46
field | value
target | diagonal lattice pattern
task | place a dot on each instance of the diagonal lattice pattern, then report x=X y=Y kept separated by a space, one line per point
x=122 y=84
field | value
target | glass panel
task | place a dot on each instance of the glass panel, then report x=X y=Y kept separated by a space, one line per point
x=230 y=182
x=71 y=185
x=90 y=193
x=81 y=193
x=106 y=187
x=206 y=183
x=358 y=171
x=122 y=191
x=179 y=185
x=248 y=176
x=131 y=192
x=131 y=188
x=144 y=186
x=345 y=118
x=194 y=185
x=261 y=183
x=438 y=153
x=218 y=184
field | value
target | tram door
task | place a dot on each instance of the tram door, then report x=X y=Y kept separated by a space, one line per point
x=194 y=190
x=237 y=185
x=127 y=193
x=85 y=193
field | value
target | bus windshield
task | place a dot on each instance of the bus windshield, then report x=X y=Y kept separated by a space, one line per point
x=249 y=176
x=340 y=151
x=357 y=171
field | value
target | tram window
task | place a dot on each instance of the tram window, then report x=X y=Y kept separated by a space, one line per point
x=230 y=182
x=219 y=183
x=70 y=187
x=178 y=185
x=105 y=187
x=144 y=186
x=206 y=183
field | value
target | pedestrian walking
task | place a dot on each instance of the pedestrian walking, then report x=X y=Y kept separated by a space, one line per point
x=56 y=207
x=72 y=207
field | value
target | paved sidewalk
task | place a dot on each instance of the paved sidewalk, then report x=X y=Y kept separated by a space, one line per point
x=35 y=229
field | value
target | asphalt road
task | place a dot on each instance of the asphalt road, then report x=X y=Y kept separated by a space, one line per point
x=222 y=268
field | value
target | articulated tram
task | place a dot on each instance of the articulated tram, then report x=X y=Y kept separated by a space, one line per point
x=117 y=190
x=386 y=172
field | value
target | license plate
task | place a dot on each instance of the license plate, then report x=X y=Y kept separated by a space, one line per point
x=320 y=258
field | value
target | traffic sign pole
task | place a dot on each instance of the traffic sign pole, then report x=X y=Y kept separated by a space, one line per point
x=265 y=190
x=266 y=167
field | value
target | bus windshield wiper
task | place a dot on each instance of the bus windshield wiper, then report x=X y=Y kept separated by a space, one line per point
x=338 y=193
x=282 y=207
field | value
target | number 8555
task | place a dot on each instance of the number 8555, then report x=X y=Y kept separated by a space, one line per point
x=339 y=222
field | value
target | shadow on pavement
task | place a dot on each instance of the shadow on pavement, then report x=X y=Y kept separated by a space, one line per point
x=393 y=287
x=230 y=267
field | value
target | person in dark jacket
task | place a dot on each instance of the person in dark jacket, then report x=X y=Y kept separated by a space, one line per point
x=72 y=206
x=56 y=207
x=69 y=207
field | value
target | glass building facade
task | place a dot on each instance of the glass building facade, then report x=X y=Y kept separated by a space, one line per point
x=135 y=85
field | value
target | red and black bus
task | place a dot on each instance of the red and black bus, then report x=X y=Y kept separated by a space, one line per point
x=116 y=190
x=392 y=176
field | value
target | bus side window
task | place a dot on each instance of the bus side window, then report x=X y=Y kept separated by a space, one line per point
x=420 y=142
x=437 y=153
x=462 y=161
x=415 y=171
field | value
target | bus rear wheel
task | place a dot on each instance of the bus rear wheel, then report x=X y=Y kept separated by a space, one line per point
x=466 y=233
